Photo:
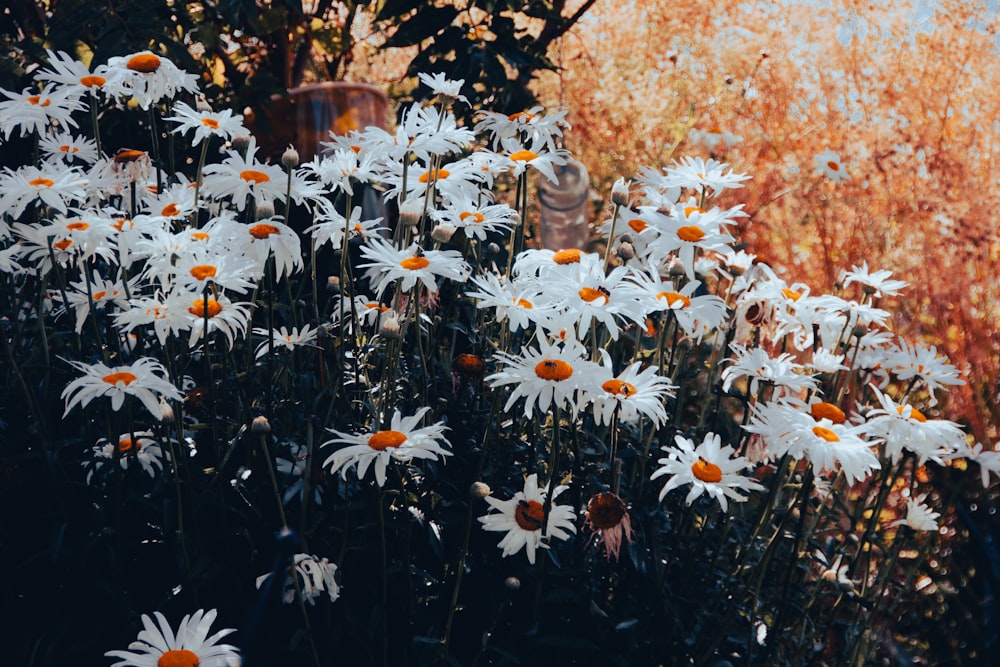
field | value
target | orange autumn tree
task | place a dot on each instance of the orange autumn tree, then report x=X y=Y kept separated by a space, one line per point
x=899 y=101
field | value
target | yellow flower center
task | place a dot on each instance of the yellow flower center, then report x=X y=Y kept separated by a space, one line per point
x=915 y=415
x=41 y=182
x=254 y=176
x=92 y=81
x=415 y=263
x=170 y=210
x=78 y=226
x=791 y=294
x=568 y=256
x=829 y=411
x=825 y=434
x=263 y=230
x=591 y=294
x=706 y=471
x=205 y=308
x=384 y=440
x=178 y=657
x=637 y=225
x=619 y=388
x=124 y=377
x=203 y=271
x=434 y=175
x=523 y=156
x=554 y=370
x=146 y=63
x=691 y=233
x=210 y=122
x=529 y=514
x=476 y=217
x=673 y=298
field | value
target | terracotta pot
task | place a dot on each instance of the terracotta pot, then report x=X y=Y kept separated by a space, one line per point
x=307 y=115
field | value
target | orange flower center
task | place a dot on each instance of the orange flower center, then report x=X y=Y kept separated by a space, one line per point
x=524 y=303
x=434 y=175
x=523 y=156
x=62 y=245
x=567 y=256
x=125 y=445
x=825 y=434
x=205 y=308
x=469 y=364
x=78 y=226
x=203 y=271
x=128 y=155
x=170 y=210
x=827 y=411
x=41 y=182
x=199 y=236
x=673 y=298
x=66 y=148
x=124 y=377
x=178 y=657
x=145 y=63
x=833 y=166
x=637 y=225
x=210 y=122
x=691 y=233
x=605 y=510
x=254 y=176
x=554 y=370
x=92 y=81
x=263 y=230
x=590 y=294
x=706 y=471
x=476 y=217
x=529 y=514
x=38 y=101
x=915 y=414
x=619 y=388
x=415 y=263
x=522 y=114
x=791 y=294
x=384 y=440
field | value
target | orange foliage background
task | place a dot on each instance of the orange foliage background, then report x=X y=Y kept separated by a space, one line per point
x=908 y=97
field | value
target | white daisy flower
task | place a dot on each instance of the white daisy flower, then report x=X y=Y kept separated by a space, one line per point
x=270 y=238
x=66 y=147
x=443 y=87
x=553 y=374
x=401 y=442
x=146 y=379
x=758 y=367
x=520 y=303
x=828 y=164
x=147 y=78
x=51 y=184
x=158 y=646
x=634 y=392
x=143 y=448
x=708 y=468
x=316 y=576
x=35 y=113
x=699 y=174
x=411 y=265
x=523 y=519
x=283 y=338
x=903 y=427
x=919 y=517
x=206 y=123
x=909 y=362
x=876 y=283
x=332 y=228
x=240 y=177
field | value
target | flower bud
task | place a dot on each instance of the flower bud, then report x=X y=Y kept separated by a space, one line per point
x=410 y=212
x=619 y=193
x=265 y=210
x=290 y=158
x=390 y=326
x=241 y=143
x=480 y=490
x=512 y=583
x=260 y=425
x=443 y=232
x=333 y=284
x=626 y=251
